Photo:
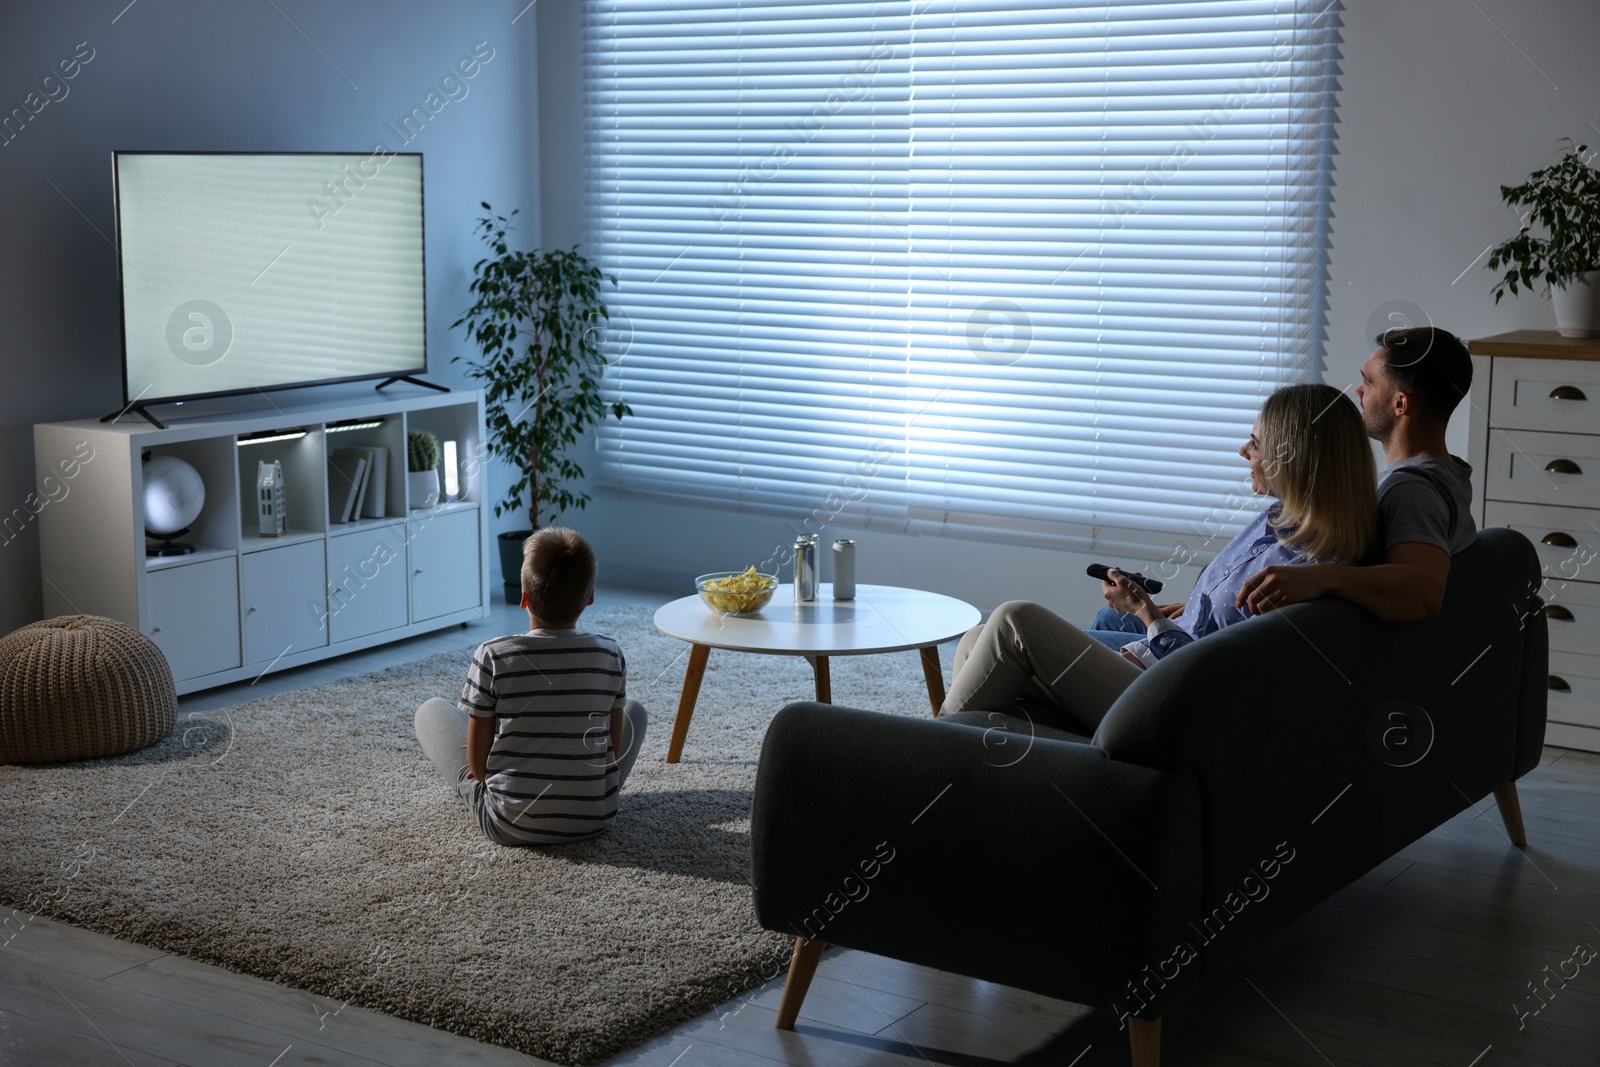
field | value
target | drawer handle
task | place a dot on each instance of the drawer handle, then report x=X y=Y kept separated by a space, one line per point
x=1562 y=466
x=1559 y=684
x=1556 y=611
x=1559 y=540
x=1567 y=392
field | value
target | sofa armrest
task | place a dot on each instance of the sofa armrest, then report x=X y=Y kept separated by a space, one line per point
x=1034 y=863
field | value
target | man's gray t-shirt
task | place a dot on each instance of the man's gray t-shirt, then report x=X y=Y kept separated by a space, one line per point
x=1428 y=500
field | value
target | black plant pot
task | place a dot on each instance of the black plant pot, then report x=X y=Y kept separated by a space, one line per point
x=511 y=563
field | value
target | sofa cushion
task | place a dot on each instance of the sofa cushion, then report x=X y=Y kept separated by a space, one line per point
x=1019 y=719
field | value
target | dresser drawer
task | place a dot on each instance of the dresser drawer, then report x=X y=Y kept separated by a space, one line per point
x=1572 y=615
x=1567 y=539
x=1574 y=689
x=1544 y=468
x=1545 y=394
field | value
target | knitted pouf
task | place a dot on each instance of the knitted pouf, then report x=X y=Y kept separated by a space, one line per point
x=81 y=686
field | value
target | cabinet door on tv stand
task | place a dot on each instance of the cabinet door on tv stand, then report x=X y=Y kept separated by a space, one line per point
x=366 y=583
x=285 y=601
x=445 y=574
x=194 y=616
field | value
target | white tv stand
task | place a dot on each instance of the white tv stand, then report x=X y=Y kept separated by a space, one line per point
x=241 y=604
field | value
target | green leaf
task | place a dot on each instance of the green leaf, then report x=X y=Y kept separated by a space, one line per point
x=1564 y=200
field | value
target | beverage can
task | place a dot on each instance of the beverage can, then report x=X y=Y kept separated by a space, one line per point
x=844 y=569
x=805 y=568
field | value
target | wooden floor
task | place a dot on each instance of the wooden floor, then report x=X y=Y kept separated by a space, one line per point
x=1426 y=960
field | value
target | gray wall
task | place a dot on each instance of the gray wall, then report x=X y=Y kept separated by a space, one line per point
x=190 y=74
x=1437 y=110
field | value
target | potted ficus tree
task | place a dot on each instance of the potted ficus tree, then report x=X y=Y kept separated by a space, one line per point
x=538 y=319
x=1563 y=199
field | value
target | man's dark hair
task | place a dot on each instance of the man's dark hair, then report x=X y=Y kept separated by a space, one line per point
x=1431 y=364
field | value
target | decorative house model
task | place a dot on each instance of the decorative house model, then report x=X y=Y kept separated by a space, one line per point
x=269 y=498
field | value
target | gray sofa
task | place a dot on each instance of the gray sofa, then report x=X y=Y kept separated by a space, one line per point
x=1232 y=787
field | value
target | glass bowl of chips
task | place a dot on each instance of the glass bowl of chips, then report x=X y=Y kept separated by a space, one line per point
x=736 y=592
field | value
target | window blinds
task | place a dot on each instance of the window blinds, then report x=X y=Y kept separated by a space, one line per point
x=1018 y=271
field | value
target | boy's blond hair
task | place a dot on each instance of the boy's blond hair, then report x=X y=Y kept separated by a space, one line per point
x=558 y=568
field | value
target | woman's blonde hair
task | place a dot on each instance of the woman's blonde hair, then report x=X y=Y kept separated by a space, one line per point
x=1316 y=460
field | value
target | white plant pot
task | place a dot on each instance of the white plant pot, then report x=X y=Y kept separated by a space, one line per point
x=1578 y=306
x=422 y=487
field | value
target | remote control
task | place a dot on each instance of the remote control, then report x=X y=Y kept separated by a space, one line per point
x=1149 y=585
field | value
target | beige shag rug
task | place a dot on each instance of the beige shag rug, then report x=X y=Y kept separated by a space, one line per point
x=306 y=839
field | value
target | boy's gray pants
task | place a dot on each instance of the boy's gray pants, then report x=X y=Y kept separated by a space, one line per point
x=442 y=732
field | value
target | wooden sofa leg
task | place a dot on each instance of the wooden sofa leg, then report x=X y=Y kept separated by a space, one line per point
x=802 y=965
x=1144 y=1039
x=1511 y=813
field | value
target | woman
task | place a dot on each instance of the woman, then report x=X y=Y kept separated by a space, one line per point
x=1320 y=474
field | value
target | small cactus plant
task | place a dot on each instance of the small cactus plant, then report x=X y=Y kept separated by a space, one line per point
x=422 y=452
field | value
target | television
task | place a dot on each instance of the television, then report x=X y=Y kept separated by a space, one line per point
x=255 y=271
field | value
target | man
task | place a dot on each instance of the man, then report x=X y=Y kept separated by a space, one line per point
x=1408 y=389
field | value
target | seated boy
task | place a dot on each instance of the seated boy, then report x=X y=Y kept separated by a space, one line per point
x=542 y=737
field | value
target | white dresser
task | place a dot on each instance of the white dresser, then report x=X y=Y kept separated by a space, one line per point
x=1535 y=445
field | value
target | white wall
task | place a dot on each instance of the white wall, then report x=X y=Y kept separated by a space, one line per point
x=192 y=74
x=1437 y=109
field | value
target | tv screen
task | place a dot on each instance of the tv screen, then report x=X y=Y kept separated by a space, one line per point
x=245 y=272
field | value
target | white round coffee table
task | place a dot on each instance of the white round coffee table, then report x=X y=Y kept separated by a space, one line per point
x=881 y=618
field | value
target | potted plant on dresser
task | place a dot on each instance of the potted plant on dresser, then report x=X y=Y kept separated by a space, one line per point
x=1564 y=200
x=537 y=319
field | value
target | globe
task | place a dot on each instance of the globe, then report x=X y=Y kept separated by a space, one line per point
x=173 y=495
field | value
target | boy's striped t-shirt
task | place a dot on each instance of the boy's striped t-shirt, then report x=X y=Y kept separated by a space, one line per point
x=552 y=773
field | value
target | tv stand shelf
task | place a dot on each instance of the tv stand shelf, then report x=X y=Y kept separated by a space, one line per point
x=200 y=554
x=241 y=603
x=250 y=541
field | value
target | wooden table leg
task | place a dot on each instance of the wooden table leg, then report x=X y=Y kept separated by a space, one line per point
x=933 y=675
x=691 y=693
x=824 y=685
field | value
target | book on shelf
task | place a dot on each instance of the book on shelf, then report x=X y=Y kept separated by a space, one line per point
x=347 y=471
x=377 y=497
